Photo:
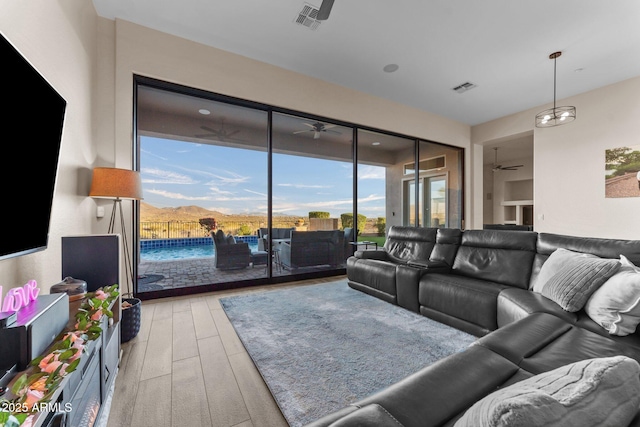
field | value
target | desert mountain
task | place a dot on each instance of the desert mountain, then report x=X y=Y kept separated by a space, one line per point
x=150 y=213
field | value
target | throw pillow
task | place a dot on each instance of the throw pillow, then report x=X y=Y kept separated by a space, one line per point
x=570 y=278
x=616 y=305
x=220 y=237
x=594 y=392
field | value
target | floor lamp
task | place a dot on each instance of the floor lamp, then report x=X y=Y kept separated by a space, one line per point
x=118 y=184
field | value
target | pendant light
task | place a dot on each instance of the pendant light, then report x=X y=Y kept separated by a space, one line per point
x=557 y=115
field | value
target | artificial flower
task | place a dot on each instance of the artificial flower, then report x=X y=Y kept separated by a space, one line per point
x=33 y=397
x=100 y=295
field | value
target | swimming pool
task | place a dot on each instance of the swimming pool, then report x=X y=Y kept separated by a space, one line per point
x=174 y=249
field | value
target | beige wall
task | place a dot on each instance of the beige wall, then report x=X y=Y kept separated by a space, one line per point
x=569 y=162
x=59 y=39
x=140 y=50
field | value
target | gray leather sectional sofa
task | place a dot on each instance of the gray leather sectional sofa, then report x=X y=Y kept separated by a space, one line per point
x=532 y=321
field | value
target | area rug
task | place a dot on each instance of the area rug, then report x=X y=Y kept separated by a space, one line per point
x=322 y=347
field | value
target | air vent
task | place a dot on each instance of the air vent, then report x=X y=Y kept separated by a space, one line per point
x=464 y=87
x=307 y=17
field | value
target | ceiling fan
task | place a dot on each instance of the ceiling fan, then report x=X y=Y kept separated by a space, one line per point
x=497 y=167
x=220 y=134
x=317 y=128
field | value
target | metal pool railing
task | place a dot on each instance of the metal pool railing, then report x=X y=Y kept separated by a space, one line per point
x=189 y=229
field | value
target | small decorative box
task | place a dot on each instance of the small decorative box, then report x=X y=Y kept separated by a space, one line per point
x=75 y=288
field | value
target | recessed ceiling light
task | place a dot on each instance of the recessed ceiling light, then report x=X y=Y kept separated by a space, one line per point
x=375 y=143
x=204 y=111
x=390 y=68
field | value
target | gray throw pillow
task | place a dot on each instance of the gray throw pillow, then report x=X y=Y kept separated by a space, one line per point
x=570 y=278
x=220 y=238
x=590 y=393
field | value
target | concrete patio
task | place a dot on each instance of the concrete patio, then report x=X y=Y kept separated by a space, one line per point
x=194 y=272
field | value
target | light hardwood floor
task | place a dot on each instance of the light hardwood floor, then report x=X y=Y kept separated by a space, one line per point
x=187 y=367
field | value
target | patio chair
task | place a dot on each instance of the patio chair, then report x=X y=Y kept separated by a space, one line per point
x=229 y=254
x=313 y=248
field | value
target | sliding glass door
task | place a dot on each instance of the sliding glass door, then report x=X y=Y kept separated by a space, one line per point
x=203 y=165
x=238 y=193
x=312 y=175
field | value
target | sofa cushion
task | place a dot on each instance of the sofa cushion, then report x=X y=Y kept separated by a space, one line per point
x=570 y=278
x=465 y=298
x=515 y=304
x=616 y=304
x=405 y=244
x=374 y=277
x=499 y=256
x=593 y=392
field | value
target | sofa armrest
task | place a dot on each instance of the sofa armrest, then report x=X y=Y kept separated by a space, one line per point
x=430 y=266
x=379 y=255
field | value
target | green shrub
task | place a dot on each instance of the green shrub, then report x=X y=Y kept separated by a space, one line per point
x=319 y=214
x=244 y=230
x=347 y=221
x=381 y=225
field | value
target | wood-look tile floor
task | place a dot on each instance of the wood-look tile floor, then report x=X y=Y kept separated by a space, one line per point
x=187 y=367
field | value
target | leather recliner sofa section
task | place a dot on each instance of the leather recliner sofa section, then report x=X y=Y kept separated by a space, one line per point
x=483 y=286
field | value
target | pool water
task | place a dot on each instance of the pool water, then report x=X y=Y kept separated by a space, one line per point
x=181 y=252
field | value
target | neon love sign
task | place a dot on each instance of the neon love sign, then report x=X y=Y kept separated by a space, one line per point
x=17 y=298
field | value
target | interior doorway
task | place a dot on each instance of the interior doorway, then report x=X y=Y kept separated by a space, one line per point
x=508 y=181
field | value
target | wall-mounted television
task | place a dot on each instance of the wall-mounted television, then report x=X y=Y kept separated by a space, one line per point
x=32 y=123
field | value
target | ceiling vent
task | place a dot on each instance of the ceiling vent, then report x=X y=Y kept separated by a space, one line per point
x=308 y=17
x=464 y=87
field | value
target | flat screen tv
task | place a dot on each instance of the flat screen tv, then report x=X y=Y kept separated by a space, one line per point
x=32 y=122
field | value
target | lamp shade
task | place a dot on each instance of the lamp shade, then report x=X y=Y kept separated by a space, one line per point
x=112 y=183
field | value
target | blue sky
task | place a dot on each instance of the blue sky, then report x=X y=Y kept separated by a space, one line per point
x=233 y=181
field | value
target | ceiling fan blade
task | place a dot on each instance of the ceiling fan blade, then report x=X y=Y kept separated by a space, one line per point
x=514 y=167
x=302 y=131
x=316 y=135
x=208 y=129
x=325 y=10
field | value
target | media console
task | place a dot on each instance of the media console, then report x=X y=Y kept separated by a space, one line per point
x=80 y=398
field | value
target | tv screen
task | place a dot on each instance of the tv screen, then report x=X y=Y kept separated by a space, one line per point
x=32 y=123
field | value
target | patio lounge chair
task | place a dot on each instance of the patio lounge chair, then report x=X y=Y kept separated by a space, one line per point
x=230 y=254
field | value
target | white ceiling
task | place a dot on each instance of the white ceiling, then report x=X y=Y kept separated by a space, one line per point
x=502 y=46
